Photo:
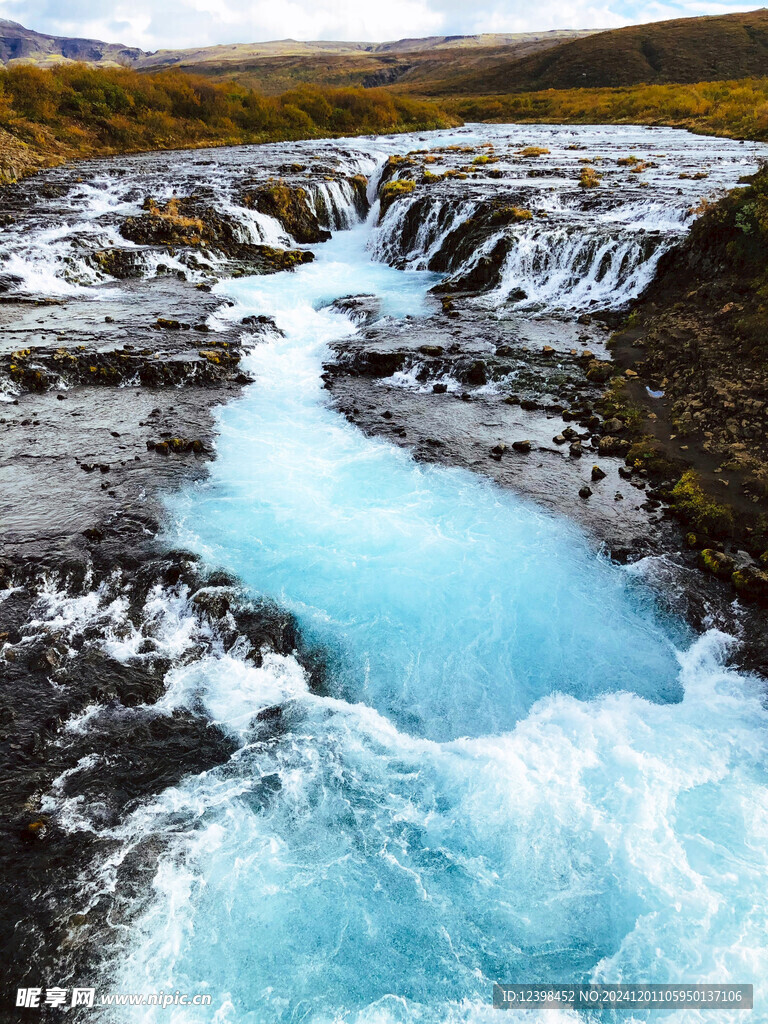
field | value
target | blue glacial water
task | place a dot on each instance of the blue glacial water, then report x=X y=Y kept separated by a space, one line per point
x=521 y=770
x=442 y=602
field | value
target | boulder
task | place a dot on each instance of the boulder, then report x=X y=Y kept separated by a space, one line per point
x=610 y=445
x=716 y=562
x=751 y=583
x=599 y=372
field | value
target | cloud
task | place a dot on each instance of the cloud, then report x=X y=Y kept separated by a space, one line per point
x=155 y=24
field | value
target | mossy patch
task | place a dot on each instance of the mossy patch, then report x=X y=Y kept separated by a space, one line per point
x=589 y=178
x=510 y=215
x=695 y=507
x=394 y=190
x=649 y=454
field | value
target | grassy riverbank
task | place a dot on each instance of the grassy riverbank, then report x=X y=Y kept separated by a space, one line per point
x=737 y=109
x=47 y=116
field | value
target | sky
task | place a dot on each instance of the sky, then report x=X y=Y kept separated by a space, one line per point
x=171 y=24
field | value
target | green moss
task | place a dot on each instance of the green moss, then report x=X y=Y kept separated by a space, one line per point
x=616 y=402
x=716 y=562
x=395 y=190
x=696 y=507
x=649 y=454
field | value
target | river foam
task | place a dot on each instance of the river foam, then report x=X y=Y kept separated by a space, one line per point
x=517 y=767
x=520 y=771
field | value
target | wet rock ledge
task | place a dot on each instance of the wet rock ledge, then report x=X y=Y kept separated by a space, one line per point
x=109 y=407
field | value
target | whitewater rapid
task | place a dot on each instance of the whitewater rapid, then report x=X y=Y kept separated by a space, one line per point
x=513 y=765
x=519 y=770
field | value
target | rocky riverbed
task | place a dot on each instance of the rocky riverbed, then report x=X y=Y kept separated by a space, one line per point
x=119 y=345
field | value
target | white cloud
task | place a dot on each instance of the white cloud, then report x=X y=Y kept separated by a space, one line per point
x=154 y=24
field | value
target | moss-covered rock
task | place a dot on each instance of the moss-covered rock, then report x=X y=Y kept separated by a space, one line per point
x=178 y=222
x=599 y=372
x=716 y=562
x=392 y=191
x=696 y=508
x=649 y=454
x=510 y=215
x=119 y=263
x=751 y=583
x=291 y=206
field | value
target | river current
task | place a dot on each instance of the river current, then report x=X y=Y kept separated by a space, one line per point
x=519 y=767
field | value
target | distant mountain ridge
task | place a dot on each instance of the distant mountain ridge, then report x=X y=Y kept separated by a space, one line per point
x=279 y=64
x=282 y=64
x=292 y=47
x=683 y=51
x=23 y=45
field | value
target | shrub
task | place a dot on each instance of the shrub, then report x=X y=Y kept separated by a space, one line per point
x=696 y=507
x=589 y=178
x=75 y=110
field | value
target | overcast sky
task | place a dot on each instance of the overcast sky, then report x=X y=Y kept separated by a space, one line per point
x=156 y=24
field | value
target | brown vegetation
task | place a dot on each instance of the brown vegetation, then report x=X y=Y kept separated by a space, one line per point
x=74 y=110
x=737 y=109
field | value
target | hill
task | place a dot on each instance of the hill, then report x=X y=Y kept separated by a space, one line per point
x=239 y=52
x=273 y=67
x=19 y=45
x=686 y=50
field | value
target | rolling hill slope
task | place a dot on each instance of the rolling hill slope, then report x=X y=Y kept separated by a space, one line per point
x=276 y=66
x=686 y=50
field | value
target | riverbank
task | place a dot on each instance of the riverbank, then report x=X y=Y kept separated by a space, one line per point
x=76 y=112
x=727 y=109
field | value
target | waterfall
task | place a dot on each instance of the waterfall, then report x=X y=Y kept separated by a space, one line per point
x=566 y=268
x=335 y=203
x=413 y=230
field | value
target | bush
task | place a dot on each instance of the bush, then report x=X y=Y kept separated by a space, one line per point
x=698 y=509
x=589 y=178
x=76 y=110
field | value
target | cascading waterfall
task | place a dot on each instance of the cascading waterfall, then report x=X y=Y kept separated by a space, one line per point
x=517 y=767
x=334 y=204
x=574 y=268
x=436 y=218
x=568 y=261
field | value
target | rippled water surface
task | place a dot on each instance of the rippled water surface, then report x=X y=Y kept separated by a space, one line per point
x=518 y=768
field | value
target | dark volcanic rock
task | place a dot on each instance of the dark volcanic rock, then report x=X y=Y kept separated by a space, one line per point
x=290 y=205
x=120 y=263
x=361 y=309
